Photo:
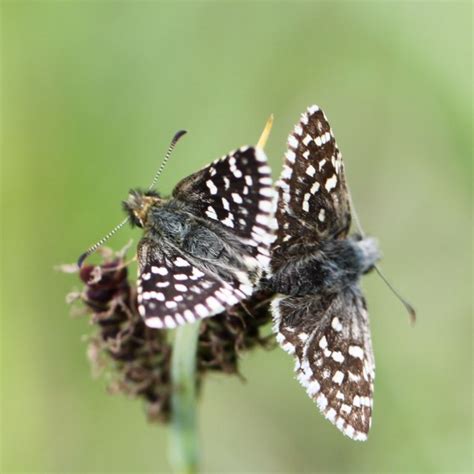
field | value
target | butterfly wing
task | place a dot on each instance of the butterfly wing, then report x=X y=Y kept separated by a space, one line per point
x=233 y=199
x=330 y=340
x=327 y=333
x=313 y=201
x=173 y=288
x=236 y=193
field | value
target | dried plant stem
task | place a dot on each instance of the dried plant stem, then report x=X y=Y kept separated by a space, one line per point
x=184 y=448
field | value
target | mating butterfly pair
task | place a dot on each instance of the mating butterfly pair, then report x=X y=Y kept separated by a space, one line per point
x=226 y=232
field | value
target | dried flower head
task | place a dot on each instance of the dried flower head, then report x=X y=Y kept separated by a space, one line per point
x=224 y=337
x=139 y=357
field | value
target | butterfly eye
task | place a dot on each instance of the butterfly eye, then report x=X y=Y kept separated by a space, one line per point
x=133 y=206
x=135 y=221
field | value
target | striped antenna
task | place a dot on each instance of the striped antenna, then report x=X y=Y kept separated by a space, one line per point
x=177 y=136
x=92 y=249
x=410 y=309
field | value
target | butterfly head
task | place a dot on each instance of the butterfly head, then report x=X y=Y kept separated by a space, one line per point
x=138 y=204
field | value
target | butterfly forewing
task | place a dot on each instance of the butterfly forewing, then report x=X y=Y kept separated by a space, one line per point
x=172 y=289
x=313 y=199
x=236 y=192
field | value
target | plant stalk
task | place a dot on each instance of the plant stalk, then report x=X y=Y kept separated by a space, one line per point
x=184 y=444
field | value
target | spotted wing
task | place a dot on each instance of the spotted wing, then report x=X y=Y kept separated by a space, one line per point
x=330 y=340
x=313 y=201
x=236 y=193
x=172 y=289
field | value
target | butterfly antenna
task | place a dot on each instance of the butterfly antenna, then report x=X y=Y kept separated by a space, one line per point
x=92 y=249
x=177 y=136
x=410 y=309
x=408 y=306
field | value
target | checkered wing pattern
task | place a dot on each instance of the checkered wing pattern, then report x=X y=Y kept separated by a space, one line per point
x=172 y=289
x=330 y=340
x=327 y=331
x=236 y=193
x=313 y=202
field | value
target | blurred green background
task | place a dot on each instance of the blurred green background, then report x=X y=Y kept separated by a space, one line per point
x=92 y=93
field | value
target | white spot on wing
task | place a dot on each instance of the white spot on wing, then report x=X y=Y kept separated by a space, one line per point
x=237 y=173
x=225 y=204
x=169 y=322
x=331 y=415
x=237 y=198
x=338 y=377
x=289 y=347
x=331 y=182
x=213 y=304
x=314 y=187
x=313 y=387
x=338 y=357
x=201 y=310
x=336 y=324
x=290 y=156
x=310 y=170
x=180 y=262
x=292 y=141
x=210 y=212
x=154 y=322
x=266 y=206
x=356 y=351
x=305 y=204
x=212 y=187
x=228 y=221
x=287 y=172
x=322 y=401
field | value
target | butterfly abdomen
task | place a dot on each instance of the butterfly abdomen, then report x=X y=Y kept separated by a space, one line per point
x=336 y=265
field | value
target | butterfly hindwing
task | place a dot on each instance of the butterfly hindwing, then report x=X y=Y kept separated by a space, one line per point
x=172 y=289
x=330 y=340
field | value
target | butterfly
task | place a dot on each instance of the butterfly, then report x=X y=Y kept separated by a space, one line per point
x=320 y=315
x=205 y=247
